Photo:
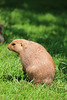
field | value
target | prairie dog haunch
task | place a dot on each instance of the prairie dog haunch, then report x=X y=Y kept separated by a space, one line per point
x=36 y=61
x=1 y=34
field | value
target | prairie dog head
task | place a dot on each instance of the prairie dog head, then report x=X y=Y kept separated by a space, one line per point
x=16 y=46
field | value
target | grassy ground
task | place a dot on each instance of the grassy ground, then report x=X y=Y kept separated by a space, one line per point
x=42 y=22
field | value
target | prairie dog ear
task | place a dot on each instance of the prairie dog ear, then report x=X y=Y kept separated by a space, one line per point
x=23 y=45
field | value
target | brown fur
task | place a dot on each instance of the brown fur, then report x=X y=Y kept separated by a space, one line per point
x=36 y=61
x=1 y=34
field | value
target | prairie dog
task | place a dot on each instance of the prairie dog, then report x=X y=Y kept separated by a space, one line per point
x=36 y=61
x=1 y=34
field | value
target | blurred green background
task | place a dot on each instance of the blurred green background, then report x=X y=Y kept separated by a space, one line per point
x=42 y=21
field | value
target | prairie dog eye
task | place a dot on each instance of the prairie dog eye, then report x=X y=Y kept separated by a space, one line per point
x=21 y=44
x=13 y=44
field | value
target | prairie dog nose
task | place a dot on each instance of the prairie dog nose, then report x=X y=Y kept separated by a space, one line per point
x=8 y=46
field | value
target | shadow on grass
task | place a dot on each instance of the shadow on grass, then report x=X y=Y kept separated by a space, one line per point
x=34 y=5
x=55 y=43
x=63 y=67
x=7 y=77
x=11 y=78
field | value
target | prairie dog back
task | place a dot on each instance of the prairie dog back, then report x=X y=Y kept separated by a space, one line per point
x=36 y=61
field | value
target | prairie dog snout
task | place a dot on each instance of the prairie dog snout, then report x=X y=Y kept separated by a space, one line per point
x=36 y=61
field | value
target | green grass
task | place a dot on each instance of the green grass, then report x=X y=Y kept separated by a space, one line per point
x=42 y=22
